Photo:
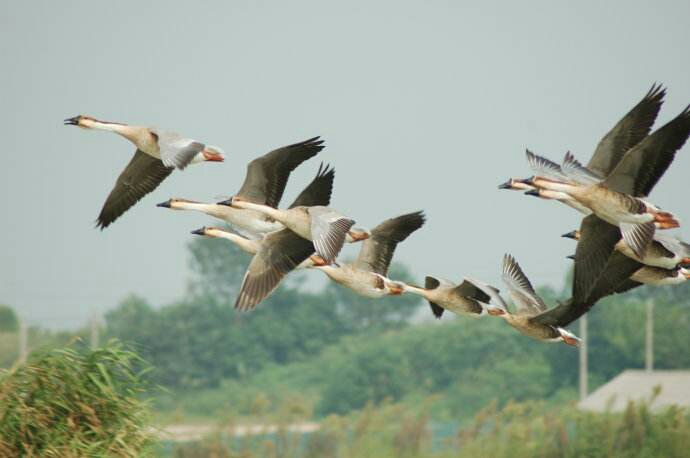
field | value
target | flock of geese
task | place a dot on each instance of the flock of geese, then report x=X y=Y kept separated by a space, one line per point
x=620 y=243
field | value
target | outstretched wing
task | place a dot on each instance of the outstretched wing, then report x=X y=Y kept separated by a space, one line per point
x=377 y=251
x=521 y=290
x=142 y=175
x=627 y=132
x=318 y=192
x=597 y=241
x=280 y=252
x=267 y=175
x=614 y=279
x=645 y=163
x=328 y=231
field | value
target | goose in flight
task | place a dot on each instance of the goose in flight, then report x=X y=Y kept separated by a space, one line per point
x=323 y=225
x=158 y=153
x=626 y=133
x=282 y=251
x=462 y=299
x=264 y=184
x=665 y=251
x=368 y=275
x=634 y=176
x=528 y=306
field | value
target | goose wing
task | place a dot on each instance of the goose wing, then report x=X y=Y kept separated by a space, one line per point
x=280 y=252
x=645 y=163
x=521 y=290
x=318 y=192
x=597 y=241
x=267 y=175
x=142 y=175
x=175 y=150
x=328 y=231
x=377 y=251
x=614 y=279
x=627 y=132
x=544 y=167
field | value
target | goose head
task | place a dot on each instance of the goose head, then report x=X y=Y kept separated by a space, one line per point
x=209 y=231
x=175 y=204
x=394 y=288
x=85 y=122
x=496 y=311
x=357 y=234
x=516 y=184
x=575 y=235
x=210 y=154
x=568 y=337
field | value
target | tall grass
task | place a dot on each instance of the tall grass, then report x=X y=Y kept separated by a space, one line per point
x=73 y=402
x=528 y=429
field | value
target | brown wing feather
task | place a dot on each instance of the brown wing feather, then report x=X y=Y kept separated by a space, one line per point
x=627 y=132
x=279 y=254
x=377 y=251
x=142 y=175
x=267 y=175
x=597 y=240
x=645 y=163
x=318 y=192
x=614 y=279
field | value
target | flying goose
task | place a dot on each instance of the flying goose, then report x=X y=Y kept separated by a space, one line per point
x=529 y=306
x=282 y=251
x=462 y=299
x=250 y=246
x=627 y=132
x=665 y=251
x=367 y=276
x=264 y=184
x=635 y=175
x=323 y=225
x=158 y=153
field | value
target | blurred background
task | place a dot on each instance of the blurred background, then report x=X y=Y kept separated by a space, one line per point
x=423 y=105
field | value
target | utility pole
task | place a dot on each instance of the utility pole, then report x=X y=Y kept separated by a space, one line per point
x=649 y=338
x=23 y=342
x=94 y=330
x=584 y=374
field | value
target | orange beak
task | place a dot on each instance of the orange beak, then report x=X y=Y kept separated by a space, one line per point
x=212 y=156
x=495 y=311
x=318 y=260
x=571 y=341
x=396 y=290
x=358 y=236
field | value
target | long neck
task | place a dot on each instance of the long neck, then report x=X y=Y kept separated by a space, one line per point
x=131 y=133
x=278 y=215
x=247 y=245
x=554 y=185
x=218 y=211
x=416 y=290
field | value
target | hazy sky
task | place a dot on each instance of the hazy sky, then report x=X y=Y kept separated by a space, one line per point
x=423 y=105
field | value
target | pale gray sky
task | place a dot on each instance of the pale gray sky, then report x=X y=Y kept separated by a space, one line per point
x=423 y=105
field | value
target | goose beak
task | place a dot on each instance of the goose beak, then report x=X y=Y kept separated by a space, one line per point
x=227 y=202
x=165 y=204
x=570 y=235
x=318 y=260
x=495 y=311
x=212 y=156
x=507 y=185
x=396 y=290
x=200 y=231
x=570 y=338
x=571 y=257
x=74 y=121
